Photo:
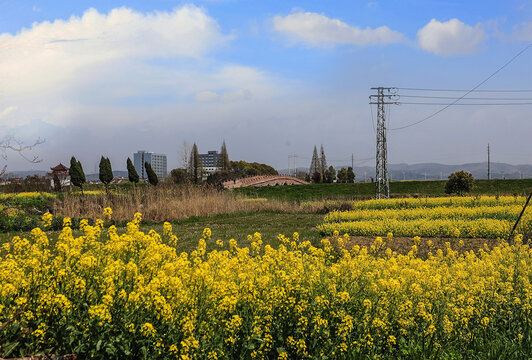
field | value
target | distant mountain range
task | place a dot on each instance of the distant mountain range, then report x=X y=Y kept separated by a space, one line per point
x=434 y=171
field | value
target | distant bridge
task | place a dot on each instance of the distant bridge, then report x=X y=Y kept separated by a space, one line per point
x=264 y=180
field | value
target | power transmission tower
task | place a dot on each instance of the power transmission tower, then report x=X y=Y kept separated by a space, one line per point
x=489 y=172
x=384 y=96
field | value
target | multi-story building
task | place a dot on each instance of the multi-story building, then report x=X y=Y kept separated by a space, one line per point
x=209 y=162
x=157 y=162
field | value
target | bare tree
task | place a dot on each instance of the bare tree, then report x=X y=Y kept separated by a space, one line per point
x=184 y=154
x=10 y=143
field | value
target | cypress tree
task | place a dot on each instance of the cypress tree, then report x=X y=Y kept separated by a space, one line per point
x=152 y=176
x=195 y=167
x=106 y=173
x=132 y=172
x=77 y=176
x=223 y=161
x=323 y=162
x=82 y=173
x=315 y=167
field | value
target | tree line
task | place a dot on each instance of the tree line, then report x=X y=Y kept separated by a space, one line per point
x=77 y=175
x=192 y=173
x=320 y=173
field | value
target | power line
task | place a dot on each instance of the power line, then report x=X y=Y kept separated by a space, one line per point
x=372 y=119
x=475 y=104
x=466 y=98
x=462 y=90
x=334 y=160
x=489 y=163
x=468 y=92
x=389 y=115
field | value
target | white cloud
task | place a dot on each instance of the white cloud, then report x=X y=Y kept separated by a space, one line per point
x=124 y=71
x=50 y=52
x=451 y=37
x=318 y=30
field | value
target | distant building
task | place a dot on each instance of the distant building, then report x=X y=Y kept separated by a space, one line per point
x=209 y=162
x=157 y=162
x=61 y=171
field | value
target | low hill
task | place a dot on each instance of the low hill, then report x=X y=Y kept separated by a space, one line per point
x=436 y=171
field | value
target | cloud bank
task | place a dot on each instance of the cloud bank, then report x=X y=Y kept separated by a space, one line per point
x=52 y=51
x=319 y=30
x=111 y=83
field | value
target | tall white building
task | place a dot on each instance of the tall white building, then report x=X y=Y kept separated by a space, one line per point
x=157 y=162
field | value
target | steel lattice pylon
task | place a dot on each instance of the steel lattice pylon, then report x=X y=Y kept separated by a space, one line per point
x=382 y=184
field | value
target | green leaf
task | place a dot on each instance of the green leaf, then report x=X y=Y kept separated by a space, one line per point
x=10 y=348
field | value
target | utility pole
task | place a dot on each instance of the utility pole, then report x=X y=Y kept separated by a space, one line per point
x=290 y=164
x=384 y=96
x=353 y=161
x=489 y=173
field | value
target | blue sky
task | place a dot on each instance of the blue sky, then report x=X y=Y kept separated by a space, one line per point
x=272 y=78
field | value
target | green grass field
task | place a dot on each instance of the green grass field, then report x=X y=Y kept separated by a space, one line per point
x=397 y=189
x=225 y=227
x=239 y=225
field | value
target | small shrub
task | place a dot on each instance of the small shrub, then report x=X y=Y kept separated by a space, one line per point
x=459 y=182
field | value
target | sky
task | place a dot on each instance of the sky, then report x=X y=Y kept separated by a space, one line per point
x=271 y=78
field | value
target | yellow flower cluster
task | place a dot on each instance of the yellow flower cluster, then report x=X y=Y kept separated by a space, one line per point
x=468 y=217
x=449 y=228
x=26 y=195
x=107 y=212
x=46 y=219
x=500 y=212
x=108 y=295
x=451 y=201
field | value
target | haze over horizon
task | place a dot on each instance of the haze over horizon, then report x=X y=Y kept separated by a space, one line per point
x=273 y=79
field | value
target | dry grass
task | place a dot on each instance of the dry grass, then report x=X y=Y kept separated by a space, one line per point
x=167 y=203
